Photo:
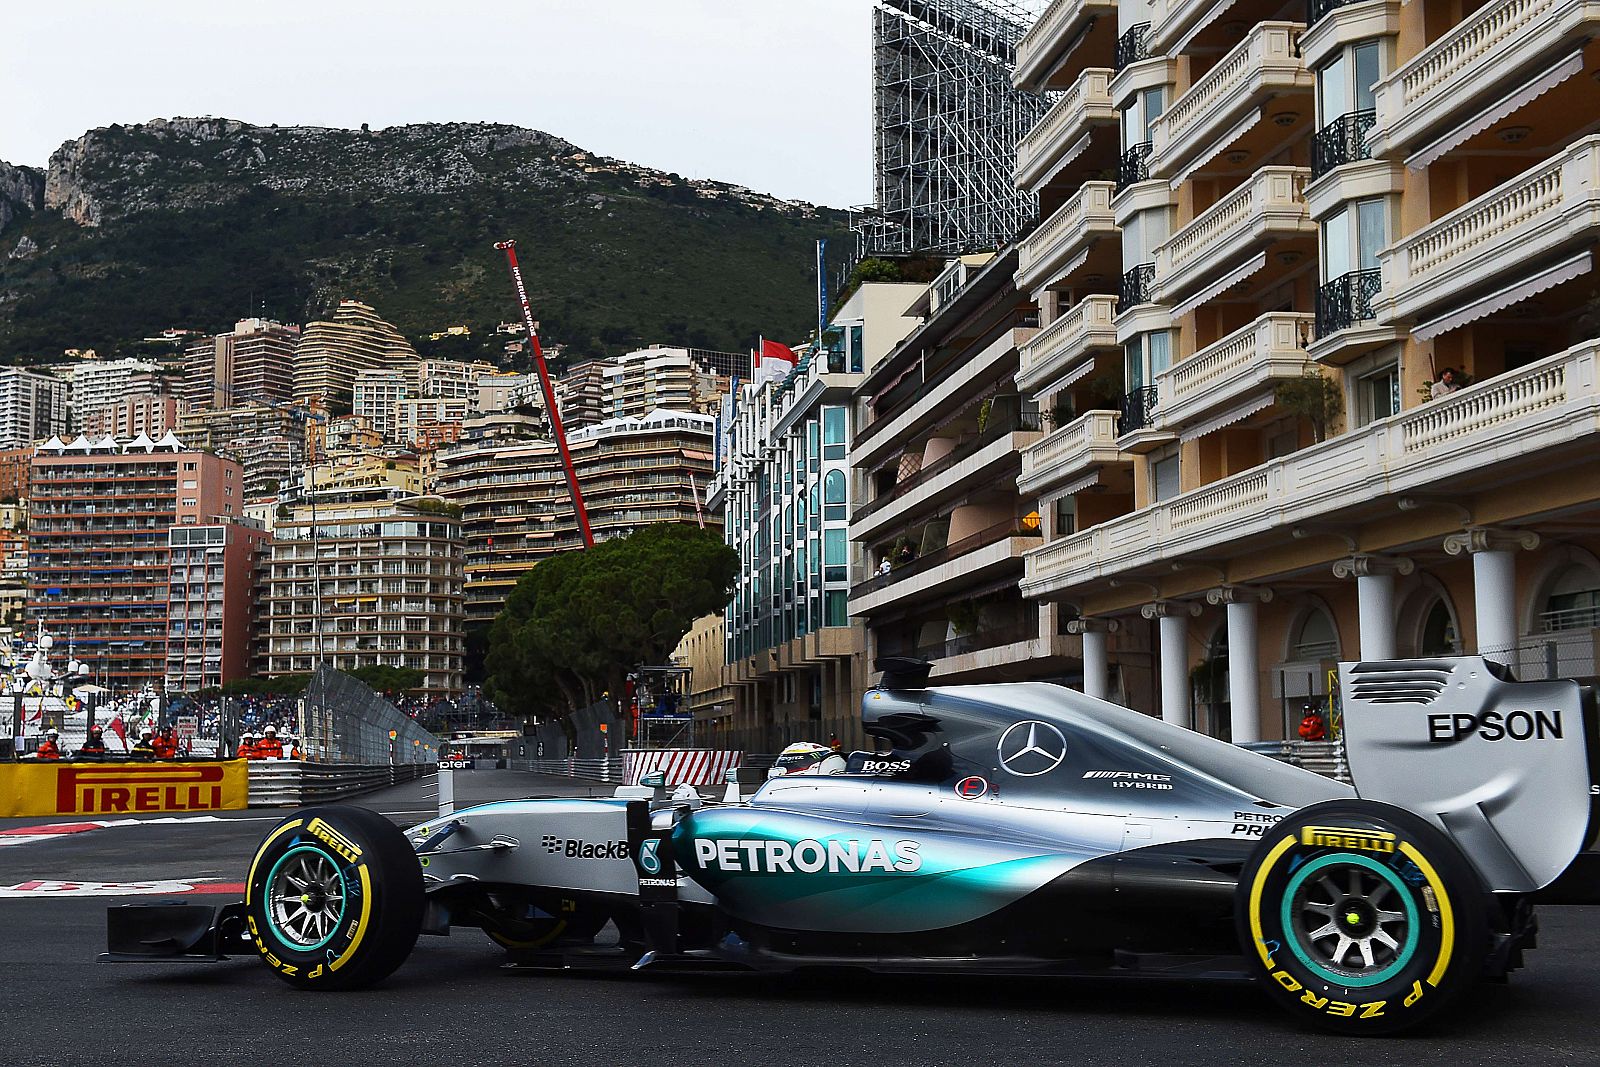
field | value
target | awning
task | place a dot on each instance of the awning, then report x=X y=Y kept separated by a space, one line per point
x=1072 y=377
x=1500 y=109
x=1227 y=418
x=1077 y=149
x=1506 y=296
x=1221 y=285
x=1056 y=275
x=1194 y=31
x=1213 y=150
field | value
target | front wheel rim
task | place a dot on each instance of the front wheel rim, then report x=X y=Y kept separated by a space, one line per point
x=305 y=898
x=1350 y=920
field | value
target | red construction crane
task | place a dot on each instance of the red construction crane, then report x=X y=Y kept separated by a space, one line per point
x=549 y=393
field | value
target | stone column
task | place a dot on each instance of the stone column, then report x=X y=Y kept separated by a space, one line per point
x=1096 y=661
x=1374 y=577
x=1172 y=621
x=1244 y=673
x=1494 y=585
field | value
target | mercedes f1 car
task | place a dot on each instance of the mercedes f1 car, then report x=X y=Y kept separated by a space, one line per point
x=1018 y=829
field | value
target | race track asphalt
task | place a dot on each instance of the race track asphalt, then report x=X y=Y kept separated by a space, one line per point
x=452 y=1004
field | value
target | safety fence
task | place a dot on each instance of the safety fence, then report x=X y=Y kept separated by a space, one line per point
x=343 y=721
x=296 y=783
x=588 y=770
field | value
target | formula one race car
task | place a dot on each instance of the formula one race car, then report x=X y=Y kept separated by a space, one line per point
x=1019 y=829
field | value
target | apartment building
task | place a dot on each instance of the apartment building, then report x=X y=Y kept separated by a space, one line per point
x=417 y=416
x=581 y=392
x=100 y=383
x=795 y=665
x=100 y=554
x=249 y=366
x=678 y=379
x=376 y=396
x=357 y=581
x=212 y=571
x=33 y=406
x=516 y=509
x=332 y=353
x=151 y=414
x=1315 y=213
x=942 y=524
x=15 y=465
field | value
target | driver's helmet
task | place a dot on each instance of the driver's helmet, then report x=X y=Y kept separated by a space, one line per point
x=806 y=757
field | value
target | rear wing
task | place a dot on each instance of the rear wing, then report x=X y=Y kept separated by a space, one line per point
x=1506 y=768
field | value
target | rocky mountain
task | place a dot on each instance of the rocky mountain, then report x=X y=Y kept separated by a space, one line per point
x=196 y=222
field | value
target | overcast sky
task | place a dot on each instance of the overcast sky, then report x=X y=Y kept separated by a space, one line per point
x=776 y=96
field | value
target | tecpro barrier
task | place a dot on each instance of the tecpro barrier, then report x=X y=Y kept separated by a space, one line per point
x=65 y=788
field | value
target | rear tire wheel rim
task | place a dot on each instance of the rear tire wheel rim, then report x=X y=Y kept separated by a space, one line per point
x=1350 y=920
x=305 y=898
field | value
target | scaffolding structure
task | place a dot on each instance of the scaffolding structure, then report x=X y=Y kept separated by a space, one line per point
x=946 y=122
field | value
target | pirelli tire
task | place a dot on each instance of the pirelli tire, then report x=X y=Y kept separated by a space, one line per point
x=334 y=898
x=1361 y=918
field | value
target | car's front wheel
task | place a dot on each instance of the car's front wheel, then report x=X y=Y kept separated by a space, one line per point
x=1361 y=918
x=334 y=898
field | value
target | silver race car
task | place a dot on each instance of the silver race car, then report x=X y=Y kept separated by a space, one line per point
x=1019 y=829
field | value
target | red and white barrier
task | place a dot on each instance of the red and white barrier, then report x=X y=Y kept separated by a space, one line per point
x=683 y=766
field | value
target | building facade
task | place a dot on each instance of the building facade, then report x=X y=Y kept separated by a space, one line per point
x=151 y=414
x=99 y=383
x=359 y=582
x=332 y=353
x=212 y=572
x=33 y=407
x=516 y=509
x=1311 y=222
x=676 y=379
x=100 y=553
x=251 y=366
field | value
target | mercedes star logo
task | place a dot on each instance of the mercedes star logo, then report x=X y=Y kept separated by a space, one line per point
x=1030 y=748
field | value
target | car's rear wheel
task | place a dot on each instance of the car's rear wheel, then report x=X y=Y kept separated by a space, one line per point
x=1361 y=917
x=334 y=898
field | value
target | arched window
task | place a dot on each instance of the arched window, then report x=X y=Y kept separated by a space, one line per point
x=1438 y=637
x=1573 y=602
x=833 y=495
x=1316 y=638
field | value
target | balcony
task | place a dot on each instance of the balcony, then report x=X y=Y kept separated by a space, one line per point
x=1229 y=100
x=1344 y=140
x=971 y=463
x=1132 y=46
x=1495 y=61
x=1069 y=29
x=1539 y=417
x=933 y=574
x=1063 y=134
x=1136 y=288
x=1500 y=248
x=1133 y=166
x=1071 y=453
x=1227 y=242
x=1064 y=351
x=1137 y=410
x=1060 y=247
x=1234 y=378
x=1346 y=301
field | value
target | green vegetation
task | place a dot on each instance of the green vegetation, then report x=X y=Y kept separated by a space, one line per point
x=194 y=234
x=390 y=681
x=1313 y=397
x=578 y=622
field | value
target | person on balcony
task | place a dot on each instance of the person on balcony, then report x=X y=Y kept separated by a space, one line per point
x=1449 y=381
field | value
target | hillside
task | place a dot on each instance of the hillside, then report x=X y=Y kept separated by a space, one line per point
x=197 y=222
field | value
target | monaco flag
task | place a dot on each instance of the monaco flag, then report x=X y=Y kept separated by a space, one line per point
x=773 y=361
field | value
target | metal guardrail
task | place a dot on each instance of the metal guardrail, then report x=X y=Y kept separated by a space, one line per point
x=296 y=783
x=589 y=770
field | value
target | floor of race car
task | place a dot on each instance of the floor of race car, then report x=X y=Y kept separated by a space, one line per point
x=453 y=1004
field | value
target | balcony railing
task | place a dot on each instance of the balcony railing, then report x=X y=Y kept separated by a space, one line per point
x=1000 y=531
x=1344 y=140
x=1088 y=441
x=1242 y=364
x=1270 y=206
x=1551 y=206
x=1131 y=46
x=1346 y=301
x=1047 y=356
x=1136 y=410
x=1080 y=108
x=1133 y=166
x=1049 y=249
x=997 y=427
x=1317 y=9
x=1541 y=408
x=1136 y=287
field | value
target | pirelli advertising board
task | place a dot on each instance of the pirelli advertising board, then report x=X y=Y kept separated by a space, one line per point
x=99 y=789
